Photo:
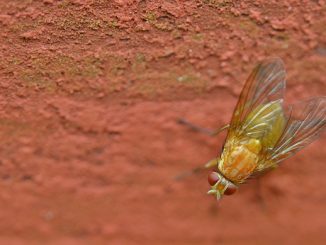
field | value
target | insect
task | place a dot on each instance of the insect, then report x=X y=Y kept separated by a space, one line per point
x=263 y=131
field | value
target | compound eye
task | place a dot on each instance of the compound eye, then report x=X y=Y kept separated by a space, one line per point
x=213 y=178
x=230 y=190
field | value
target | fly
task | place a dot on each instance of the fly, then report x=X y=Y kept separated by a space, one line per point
x=263 y=131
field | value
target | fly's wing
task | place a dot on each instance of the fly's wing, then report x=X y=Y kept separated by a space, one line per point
x=306 y=121
x=260 y=102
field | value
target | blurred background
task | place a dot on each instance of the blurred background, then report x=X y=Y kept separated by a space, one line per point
x=90 y=95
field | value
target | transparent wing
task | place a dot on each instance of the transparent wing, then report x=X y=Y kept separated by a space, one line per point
x=306 y=121
x=260 y=101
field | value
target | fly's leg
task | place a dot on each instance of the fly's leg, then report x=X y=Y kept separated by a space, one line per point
x=259 y=195
x=219 y=130
x=197 y=128
x=188 y=173
x=209 y=164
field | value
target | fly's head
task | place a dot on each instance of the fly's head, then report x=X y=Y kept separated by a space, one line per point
x=220 y=186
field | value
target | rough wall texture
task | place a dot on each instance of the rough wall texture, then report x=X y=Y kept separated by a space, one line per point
x=90 y=92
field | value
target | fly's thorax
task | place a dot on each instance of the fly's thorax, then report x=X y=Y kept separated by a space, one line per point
x=238 y=161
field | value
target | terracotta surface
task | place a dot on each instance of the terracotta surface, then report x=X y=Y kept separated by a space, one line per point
x=90 y=94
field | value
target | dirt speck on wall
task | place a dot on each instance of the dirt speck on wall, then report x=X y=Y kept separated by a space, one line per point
x=90 y=92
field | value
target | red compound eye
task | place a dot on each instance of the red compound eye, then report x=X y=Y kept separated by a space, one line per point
x=230 y=190
x=213 y=178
